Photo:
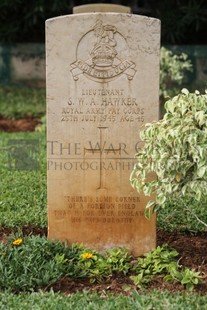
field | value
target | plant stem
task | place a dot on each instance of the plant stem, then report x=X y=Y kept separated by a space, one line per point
x=197 y=218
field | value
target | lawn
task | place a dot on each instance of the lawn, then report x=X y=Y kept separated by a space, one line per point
x=30 y=271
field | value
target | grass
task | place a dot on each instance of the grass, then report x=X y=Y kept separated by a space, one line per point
x=17 y=102
x=180 y=219
x=92 y=301
x=22 y=193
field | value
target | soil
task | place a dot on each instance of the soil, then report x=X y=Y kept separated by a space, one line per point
x=21 y=124
x=192 y=248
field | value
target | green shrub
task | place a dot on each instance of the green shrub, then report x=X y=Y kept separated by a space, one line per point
x=175 y=149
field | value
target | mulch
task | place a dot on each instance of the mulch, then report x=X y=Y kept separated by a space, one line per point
x=21 y=124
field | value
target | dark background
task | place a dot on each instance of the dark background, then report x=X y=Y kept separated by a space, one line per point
x=183 y=21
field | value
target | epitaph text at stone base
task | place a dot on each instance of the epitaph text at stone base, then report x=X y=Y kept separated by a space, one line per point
x=102 y=87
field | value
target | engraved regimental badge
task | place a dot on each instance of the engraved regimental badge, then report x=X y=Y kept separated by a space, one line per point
x=107 y=55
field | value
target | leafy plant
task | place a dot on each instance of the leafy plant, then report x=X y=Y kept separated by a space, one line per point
x=118 y=260
x=84 y=262
x=161 y=262
x=27 y=263
x=187 y=277
x=30 y=262
x=175 y=149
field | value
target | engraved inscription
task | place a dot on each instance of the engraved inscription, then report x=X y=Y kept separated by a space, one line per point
x=104 y=106
x=104 y=62
x=100 y=209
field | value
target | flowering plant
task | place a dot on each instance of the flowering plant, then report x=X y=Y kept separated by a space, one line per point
x=17 y=242
x=87 y=255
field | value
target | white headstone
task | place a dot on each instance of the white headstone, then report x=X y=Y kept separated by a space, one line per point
x=102 y=87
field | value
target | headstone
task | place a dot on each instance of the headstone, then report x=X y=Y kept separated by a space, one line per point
x=101 y=7
x=102 y=87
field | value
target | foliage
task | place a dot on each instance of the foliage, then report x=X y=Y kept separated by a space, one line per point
x=161 y=262
x=17 y=102
x=183 y=22
x=84 y=262
x=118 y=260
x=28 y=18
x=32 y=262
x=172 y=72
x=175 y=148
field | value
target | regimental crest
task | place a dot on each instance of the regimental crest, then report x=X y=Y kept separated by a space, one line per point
x=107 y=50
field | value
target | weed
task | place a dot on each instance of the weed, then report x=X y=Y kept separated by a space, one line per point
x=162 y=261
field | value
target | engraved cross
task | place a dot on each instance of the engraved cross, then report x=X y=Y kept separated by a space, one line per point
x=100 y=148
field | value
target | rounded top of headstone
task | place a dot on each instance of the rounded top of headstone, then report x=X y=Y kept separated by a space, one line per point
x=101 y=7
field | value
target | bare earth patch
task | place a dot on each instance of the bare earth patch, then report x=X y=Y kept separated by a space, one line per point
x=22 y=124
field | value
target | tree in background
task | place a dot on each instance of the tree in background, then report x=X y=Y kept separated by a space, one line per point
x=183 y=21
x=24 y=21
